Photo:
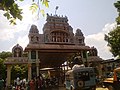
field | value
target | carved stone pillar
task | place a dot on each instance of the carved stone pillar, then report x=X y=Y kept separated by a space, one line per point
x=37 y=68
x=29 y=55
x=8 y=75
x=29 y=71
x=37 y=63
x=29 y=66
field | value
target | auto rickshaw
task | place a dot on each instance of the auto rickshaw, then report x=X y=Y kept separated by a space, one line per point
x=113 y=83
x=80 y=79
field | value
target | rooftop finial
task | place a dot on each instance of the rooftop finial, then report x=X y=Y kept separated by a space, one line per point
x=56 y=9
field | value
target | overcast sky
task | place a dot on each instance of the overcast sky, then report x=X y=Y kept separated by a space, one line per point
x=94 y=17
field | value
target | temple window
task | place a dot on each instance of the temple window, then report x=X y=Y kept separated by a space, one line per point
x=31 y=38
x=80 y=40
x=37 y=38
x=66 y=40
x=59 y=37
x=33 y=54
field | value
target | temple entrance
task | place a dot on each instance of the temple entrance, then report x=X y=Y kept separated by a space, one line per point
x=51 y=49
x=56 y=45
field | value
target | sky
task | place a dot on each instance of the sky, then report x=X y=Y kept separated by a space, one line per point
x=94 y=17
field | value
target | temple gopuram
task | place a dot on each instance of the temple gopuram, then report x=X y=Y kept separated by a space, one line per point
x=56 y=45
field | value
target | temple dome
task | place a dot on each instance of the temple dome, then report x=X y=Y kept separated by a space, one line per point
x=34 y=29
x=78 y=33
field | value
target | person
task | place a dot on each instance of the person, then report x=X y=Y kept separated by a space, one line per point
x=1 y=84
x=28 y=85
x=18 y=86
x=77 y=63
x=38 y=83
x=23 y=84
x=32 y=84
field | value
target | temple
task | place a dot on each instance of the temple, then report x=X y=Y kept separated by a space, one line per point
x=56 y=46
x=58 y=43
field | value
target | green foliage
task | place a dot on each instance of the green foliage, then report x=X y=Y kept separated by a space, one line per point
x=117 y=5
x=2 y=69
x=4 y=55
x=118 y=20
x=42 y=12
x=21 y=0
x=113 y=37
x=34 y=7
x=13 y=11
x=19 y=71
x=45 y=2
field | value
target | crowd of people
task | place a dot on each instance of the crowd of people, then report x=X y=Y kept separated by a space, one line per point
x=36 y=83
x=19 y=84
x=33 y=84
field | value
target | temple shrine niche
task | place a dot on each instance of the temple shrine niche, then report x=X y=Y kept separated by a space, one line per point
x=17 y=51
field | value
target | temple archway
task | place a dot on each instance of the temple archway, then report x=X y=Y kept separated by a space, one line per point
x=16 y=59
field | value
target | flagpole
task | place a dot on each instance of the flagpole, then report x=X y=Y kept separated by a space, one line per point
x=56 y=9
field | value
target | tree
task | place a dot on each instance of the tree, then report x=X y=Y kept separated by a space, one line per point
x=117 y=5
x=3 y=56
x=113 y=37
x=13 y=11
x=16 y=69
x=2 y=69
x=19 y=71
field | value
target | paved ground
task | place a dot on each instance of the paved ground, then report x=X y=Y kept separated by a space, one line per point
x=63 y=88
x=101 y=89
